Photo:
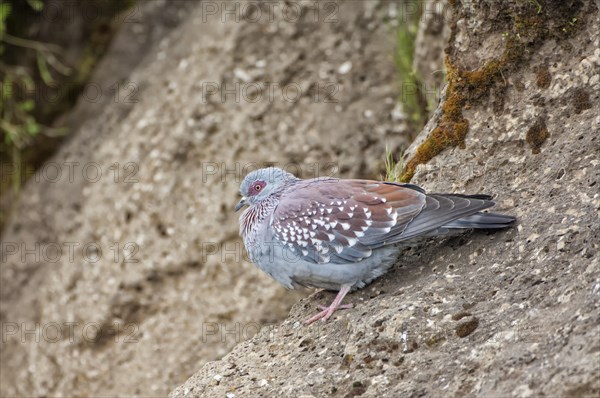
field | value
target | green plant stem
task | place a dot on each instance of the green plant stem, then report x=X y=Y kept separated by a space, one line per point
x=32 y=44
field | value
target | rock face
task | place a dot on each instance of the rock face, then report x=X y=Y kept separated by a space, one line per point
x=515 y=313
x=136 y=278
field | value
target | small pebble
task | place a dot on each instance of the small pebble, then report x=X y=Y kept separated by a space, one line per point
x=345 y=68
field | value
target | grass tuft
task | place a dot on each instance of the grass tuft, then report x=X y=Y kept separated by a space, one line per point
x=393 y=167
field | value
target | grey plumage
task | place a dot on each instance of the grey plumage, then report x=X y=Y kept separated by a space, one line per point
x=341 y=234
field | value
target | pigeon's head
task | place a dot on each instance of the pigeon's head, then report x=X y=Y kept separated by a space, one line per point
x=261 y=183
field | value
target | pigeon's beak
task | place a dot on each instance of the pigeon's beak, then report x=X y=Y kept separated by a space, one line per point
x=240 y=204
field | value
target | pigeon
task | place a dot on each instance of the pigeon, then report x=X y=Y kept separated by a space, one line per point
x=341 y=234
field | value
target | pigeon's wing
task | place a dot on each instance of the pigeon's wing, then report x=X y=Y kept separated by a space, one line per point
x=340 y=221
x=443 y=211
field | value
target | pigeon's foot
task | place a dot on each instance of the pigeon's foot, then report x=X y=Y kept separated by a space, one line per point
x=341 y=307
x=326 y=312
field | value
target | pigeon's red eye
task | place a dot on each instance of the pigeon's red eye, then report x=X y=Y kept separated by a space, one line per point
x=257 y=187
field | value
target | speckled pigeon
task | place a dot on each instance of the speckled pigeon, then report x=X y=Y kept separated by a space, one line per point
x=340 y=235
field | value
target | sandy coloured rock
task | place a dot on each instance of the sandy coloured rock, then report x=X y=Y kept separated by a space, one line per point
x=182 y=143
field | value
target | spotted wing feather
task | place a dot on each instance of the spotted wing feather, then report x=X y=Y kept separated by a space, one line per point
x=340 y=221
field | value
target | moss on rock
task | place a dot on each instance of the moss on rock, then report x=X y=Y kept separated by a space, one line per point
x=529 y=26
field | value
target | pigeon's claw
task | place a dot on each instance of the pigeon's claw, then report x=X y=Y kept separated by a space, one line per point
x=326 y=312
x=341 y=307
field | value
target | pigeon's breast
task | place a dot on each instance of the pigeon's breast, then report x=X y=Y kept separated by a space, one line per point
x=332 y=276
x=291 y=270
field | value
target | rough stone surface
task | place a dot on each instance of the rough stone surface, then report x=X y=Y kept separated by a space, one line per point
x=515 y=313
x=115 y=327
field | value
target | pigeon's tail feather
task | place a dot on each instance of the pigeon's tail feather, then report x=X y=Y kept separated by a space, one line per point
x=482 y=220
x=446 y=212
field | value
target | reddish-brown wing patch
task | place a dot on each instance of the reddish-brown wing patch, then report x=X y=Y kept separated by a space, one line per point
x=343 y=220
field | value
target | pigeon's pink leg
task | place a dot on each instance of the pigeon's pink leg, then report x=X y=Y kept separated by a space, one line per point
x=336 y=305
x=340 y=307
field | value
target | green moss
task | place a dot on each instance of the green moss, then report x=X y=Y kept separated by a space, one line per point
x=452 y=129
x=531 y=24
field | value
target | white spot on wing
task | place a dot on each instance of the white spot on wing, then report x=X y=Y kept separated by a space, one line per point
x=337 y=247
